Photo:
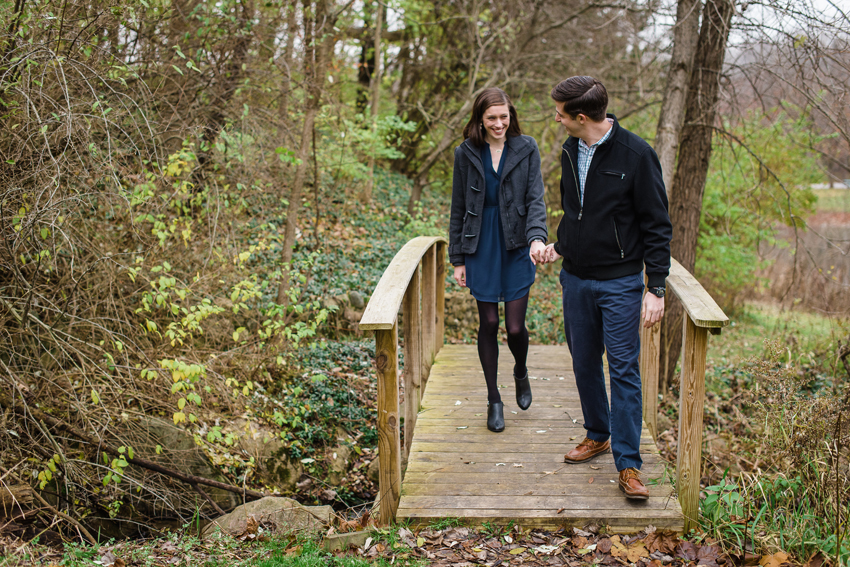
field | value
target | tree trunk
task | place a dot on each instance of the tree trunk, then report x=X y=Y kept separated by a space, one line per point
x=692 y=169
x=316 y=55
x=685 y=35
x=366 y=196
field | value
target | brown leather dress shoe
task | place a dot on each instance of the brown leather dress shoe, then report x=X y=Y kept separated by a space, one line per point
x=586 y=450
x=632 y=485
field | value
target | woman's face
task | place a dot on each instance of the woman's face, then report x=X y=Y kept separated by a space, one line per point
x=496 y=121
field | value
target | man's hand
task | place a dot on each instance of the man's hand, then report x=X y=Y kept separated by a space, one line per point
x=549 y=254
x=652 y=310
x=460 y=275
x=536 y=252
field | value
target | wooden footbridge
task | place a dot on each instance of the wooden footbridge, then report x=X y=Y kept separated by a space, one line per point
x=450 y=465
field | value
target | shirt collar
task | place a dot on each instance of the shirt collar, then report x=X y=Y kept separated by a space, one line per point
x=583 y=145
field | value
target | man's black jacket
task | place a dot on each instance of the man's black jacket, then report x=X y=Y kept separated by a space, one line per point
x=623 y=223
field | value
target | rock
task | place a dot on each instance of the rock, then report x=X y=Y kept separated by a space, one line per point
x=273 y=464
x=282 y=514
x=180 y=452
x=338 y=464
x=373 y=470
x=337 y=542
x=356 y=299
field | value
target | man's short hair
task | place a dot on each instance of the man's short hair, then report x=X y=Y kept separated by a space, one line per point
x=582 y=95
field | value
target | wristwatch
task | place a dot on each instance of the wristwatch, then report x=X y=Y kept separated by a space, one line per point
x=657 y=291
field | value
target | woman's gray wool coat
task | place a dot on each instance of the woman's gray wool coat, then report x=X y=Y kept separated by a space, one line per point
x=521 y=206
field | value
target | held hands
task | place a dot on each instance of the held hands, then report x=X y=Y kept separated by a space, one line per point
x=543 y=254
x=536 y=252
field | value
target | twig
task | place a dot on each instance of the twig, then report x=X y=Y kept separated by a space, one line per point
x=209 y=499
x=107 y=448
x=62 y=515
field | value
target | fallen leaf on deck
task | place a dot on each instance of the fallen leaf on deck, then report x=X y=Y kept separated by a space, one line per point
x=542 y=431
x=463 y=427
x=573 y=437
x=513 y=412
x=457 y=403
x=595 y=468
x=560 y=510
x=478 y=414
x=500 y=464
x=517 y=464
x=590 y=480
x=557 y=406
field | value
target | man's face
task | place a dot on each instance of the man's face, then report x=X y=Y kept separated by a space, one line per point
x=573 y=127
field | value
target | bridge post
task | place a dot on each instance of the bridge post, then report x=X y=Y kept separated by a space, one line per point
x=691 y=400
x=429 y=307
x=412 y=358
x=389 y=441
x=650 y=355
x=441 y=297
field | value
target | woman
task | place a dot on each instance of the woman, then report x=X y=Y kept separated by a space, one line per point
x=497 y=230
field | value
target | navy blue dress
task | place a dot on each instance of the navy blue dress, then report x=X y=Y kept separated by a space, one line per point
x=494 y=273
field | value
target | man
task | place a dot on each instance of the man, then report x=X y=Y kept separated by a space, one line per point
x=615 y=222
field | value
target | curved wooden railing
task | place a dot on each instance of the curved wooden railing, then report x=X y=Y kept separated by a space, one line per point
x=703 y=316
x=415 y=283
x=423 y=315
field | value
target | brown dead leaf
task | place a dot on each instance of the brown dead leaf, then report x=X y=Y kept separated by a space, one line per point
x=774 y=560
x=604 y=545
x=687 y=551
x=665 y=541
x=636 y=551
x=815 y=560
x=560 y=510
x=579 y=542
x=590 y=480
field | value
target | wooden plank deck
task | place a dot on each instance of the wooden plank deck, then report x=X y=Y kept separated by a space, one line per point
x=457 y=468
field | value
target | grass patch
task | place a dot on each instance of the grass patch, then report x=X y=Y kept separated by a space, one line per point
x=833 y=200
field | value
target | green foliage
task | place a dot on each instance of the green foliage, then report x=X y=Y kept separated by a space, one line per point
x=749 y=190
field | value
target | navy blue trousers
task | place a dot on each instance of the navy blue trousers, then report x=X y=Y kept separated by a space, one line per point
x=603 y=316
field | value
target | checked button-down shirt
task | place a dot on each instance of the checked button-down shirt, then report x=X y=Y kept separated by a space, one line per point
x=585 y=156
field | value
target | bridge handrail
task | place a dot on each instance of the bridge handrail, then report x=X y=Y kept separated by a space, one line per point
x=703 y=316
x=415 y=282
x=382 y=311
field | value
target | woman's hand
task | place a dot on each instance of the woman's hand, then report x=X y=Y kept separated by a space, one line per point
x=536 y=251
x=460 y=275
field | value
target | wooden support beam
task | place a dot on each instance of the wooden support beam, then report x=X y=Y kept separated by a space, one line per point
x=441 y=297
x=389 y=441
x=412 y=358
x=650 y=358
x=429 y=305
x=691 y=400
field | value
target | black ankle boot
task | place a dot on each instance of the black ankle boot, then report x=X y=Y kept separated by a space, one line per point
x=523 y=391
x=496 y=417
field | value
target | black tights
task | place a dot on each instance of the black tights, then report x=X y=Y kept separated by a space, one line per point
x=488 y=340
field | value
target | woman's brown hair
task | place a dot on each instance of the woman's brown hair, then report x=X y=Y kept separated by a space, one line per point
x=489 y=97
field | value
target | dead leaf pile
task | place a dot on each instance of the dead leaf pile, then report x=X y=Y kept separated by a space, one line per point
x=572 y=547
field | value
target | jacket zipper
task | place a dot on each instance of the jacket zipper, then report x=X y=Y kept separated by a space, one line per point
x=578 y=189
x=617 y=237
